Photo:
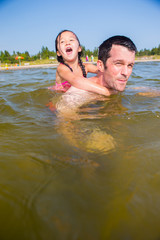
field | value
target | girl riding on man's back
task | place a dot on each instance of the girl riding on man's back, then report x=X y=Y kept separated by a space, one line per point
x=71 y=71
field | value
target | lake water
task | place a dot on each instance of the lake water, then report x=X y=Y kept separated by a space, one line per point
x=97 y=177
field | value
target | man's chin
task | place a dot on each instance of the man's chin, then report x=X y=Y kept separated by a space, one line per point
x=121 y=88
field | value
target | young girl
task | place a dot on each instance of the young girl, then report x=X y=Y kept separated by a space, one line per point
x=71 y=70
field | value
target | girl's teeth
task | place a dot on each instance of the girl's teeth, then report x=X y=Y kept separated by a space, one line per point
x=68 y=50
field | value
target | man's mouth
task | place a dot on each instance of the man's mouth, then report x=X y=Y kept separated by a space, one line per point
x=122 y=80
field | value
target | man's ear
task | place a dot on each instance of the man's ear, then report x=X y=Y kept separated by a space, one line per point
x=100 y=66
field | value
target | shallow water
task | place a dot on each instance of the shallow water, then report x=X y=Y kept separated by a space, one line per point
x=93 y=178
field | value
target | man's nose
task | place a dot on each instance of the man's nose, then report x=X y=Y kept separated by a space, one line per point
x=124 y=70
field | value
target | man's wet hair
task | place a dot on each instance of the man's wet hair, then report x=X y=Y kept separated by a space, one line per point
x=105 y=47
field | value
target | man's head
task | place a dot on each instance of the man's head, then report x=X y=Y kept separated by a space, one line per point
x=106 y=46
x=115 y=61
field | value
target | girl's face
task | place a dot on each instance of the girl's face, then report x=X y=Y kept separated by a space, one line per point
x=68 y=46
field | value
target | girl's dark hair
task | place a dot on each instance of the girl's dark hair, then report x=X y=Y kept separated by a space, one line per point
x=60 y=59
x=105 y=47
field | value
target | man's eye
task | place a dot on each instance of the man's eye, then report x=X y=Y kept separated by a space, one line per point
x=130 y=66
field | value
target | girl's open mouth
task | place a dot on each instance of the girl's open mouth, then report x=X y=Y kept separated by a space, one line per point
x=69 y=50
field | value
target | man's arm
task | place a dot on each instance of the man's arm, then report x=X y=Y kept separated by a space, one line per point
x=92 y=68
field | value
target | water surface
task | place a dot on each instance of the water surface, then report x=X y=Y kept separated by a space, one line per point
x=93 y=178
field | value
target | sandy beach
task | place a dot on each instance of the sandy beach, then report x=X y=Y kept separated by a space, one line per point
x=147 y=60
x=54 y=65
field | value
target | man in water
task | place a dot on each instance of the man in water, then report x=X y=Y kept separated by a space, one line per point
x=115 y=63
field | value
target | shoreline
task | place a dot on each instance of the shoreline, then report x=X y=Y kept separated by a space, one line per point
x=54 y=65
x=51 y=65
x=147 y=60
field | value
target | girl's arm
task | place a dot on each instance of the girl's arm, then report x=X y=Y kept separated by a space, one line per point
x=81 y=82
x=91 y=68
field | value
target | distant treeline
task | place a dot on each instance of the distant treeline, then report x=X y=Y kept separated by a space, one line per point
x=147 y=52
x=45 y=53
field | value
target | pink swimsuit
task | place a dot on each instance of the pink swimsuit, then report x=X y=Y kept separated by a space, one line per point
x=63 y=87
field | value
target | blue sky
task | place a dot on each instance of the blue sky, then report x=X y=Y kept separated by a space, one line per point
x=29 y=25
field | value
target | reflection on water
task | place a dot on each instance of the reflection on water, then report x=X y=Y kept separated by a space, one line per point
x=96 y=177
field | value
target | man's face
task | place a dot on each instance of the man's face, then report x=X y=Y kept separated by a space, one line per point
x=118 y=67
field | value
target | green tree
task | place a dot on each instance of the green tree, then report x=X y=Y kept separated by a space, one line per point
x=95 y=52
x=44 y=53
x=83 y=51
x=26 y=56
x=89 y=53
x=6 y=57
